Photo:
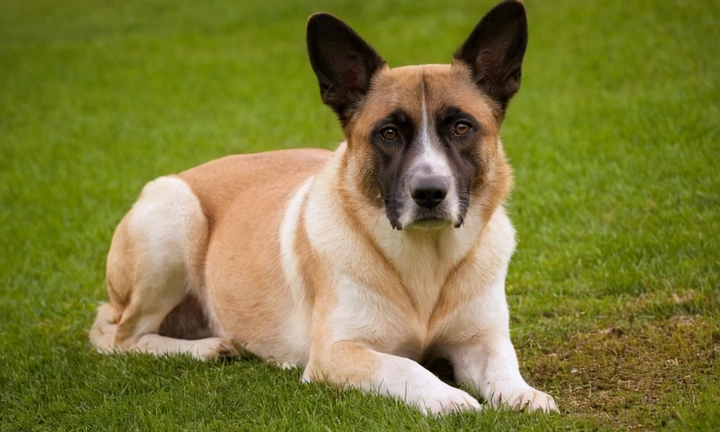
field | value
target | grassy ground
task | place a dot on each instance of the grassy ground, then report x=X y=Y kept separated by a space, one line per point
x=615 y=288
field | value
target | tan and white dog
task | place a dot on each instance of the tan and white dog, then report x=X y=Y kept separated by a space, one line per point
x=357 y=264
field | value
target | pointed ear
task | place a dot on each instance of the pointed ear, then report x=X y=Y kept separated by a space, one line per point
x=343 y=63
x=494 y=51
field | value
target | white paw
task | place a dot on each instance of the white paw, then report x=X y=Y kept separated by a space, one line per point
x=524 y=398
x=449 y=400
x=213 y=348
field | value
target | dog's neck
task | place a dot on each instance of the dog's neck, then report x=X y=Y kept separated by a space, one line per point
x=422 y=258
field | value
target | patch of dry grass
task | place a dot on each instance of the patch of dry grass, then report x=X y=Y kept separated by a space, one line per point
x=633 y=373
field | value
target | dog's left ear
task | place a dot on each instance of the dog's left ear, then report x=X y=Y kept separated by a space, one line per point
x=494 y=51
x=343 y=63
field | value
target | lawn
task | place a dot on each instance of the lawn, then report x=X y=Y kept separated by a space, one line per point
x=615 y=140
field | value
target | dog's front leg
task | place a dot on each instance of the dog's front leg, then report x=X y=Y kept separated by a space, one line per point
x=478 y=346
x=489 y=365
x=351 y=363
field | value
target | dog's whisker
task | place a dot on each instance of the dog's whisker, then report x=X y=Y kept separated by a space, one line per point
x=380 y=215
x=365 y=205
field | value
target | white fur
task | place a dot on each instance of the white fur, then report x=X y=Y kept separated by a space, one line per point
x=164 y=223
x=299 y=319
x=410 y=251
x=489 y=363
x=162 y=218
x=288 y=234
x=405 y=379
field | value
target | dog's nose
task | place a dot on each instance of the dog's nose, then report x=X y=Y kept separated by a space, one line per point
x=429 y=192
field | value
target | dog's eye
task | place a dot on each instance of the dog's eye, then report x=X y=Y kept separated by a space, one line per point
x=389 y=134
x=461 y=129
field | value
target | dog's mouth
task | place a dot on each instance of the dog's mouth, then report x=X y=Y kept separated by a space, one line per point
x=404 y=213
x=430 y=223
x=422 y=219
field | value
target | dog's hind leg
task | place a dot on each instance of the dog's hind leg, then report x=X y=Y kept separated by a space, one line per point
x=151 y=268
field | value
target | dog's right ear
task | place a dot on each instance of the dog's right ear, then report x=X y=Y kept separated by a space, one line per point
x=343 y=63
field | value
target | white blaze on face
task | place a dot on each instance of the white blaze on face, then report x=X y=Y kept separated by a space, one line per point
x=425 y=141
x=431 y=161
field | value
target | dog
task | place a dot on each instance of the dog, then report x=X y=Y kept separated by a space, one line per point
x=355 y=265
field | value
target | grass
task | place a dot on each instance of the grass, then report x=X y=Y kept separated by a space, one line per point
x=614 y=137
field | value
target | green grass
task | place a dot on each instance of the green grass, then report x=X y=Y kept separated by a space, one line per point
x=614 y=137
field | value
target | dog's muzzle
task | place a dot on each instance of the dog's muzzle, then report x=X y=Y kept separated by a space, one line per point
x=427 y=203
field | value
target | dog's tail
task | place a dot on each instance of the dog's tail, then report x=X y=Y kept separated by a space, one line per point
x=102 y=333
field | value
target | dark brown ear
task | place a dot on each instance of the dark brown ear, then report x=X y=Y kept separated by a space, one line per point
x=343 y=62
x=494 y=51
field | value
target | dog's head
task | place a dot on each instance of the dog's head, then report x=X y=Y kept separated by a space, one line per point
x=425 y=139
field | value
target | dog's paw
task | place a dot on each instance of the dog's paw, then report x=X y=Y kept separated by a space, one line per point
x=524 y=398
x=214 y=348
x=450 y=400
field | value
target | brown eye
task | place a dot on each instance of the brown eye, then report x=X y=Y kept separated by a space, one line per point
x=461 y=129
x=389 y=134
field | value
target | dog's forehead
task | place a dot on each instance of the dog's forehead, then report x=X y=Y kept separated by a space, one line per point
x=431 y=88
